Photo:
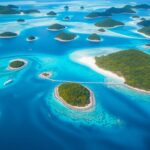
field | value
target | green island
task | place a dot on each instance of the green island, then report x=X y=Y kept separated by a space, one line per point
x=51 y=13
x=66 y=18
x=94 y=38
x=145 y=30
x=133 y=65
x=16 y=64
x=101 y=30
x=9 y=9
x=73 y=94
x=30 y=11
x=31 y=38
x=20 y=20
x=135 y=16
x=144 y=23
x=8 y=35
x=108 y=23
x=65 y=36
x=56 y=27
x=66 y=7
x=82 y=7
x=142 y=6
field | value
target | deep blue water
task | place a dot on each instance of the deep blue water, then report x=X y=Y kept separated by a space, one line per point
x=31 y=118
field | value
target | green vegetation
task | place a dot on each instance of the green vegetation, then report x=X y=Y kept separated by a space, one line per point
x=108 y=23
x=145 y=30
x=136 y=17
x=133 y=65
x=65 y=36
x=8 y=34
x=31 y=38
x=142 y=6
x=9 y=9
x=101 y=30
x=94 y=37
x=56 y=26
x=51 y=13
x=17 y=64
x=21 y=20
x=144 y=23
x=67 y=18
x=30 y=11
x=74 y=94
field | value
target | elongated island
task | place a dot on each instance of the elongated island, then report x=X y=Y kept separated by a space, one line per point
x=8 y=35
x=133 y=65
x=75 y=96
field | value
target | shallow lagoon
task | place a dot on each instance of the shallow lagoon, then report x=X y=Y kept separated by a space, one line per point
x=31 y=117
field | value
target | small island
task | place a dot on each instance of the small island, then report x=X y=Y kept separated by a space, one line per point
x=17 y=64
x=51 y=13
x=9 y=10
x=133 y=65
x=8 y=35
x=142 y=6
x=101 y=30
x=94 y=38
x=30 y=11
x=45 y=75
x=31 y=38
x=135 y=17
x=65 y=37
x=67 y=18
x=56 y=27
x=66 y=7
x=75 y=96
x=21 y=20
x=108 y=23
x=144 y=23
x=82 y=7
x=145 y=31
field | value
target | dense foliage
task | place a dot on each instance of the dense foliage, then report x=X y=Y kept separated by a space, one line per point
x=9 y=9
x=145 y=30
x=8 y=34
x=144 y=23
x=16 y=64
x=108 y=23
x=94 y=37
x=66 y=36
x=51 y=13
x=74 y=94
x=56 y=26
x=133 y=65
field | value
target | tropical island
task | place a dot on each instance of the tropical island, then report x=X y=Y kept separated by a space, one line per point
x=67 y=18
x=56 y=27
x=9 y=9
x=51 y=13
x=135 y=17
x=82 y=7
x=94 y=38
x=144 y=23
x=108 y=23
x=8 y=35
x=21 y=20
x=142 y=6
x=66 y=7
x=30 y=11
x=101 y=30
x=45 y=75
x=75 y=96
x=31 y=38
x=17 y=64
x=65 y=37
x=145 y=31
x=133 y=65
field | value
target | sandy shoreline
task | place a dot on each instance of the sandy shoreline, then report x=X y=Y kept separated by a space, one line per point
x=87 y=107
x=90 y=62
x=60 y=40
x=7 y=37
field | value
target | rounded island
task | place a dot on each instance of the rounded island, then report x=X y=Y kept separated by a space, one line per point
x=101 y=30
x=17 y=64
x=67 y=18
x=51 y=13
x=94 y=38
x=66 y=7
x=21 y=20
x=31 y=38
x=56 y=27
x=8 y=35
x=45 y=75
x=65 y=37
x=75 y=96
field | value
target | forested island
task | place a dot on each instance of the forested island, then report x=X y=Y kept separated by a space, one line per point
x=9 y=9
x=31 y=38
x=74 y=95
x=30 y=11
x=65 y=36
x=145 y=30
x=17 y=64
x=8 y=35
x=94 y=38
x=133 y=65
x=56 y=27
x=21 y=20
x=109 y=23
x=144 y=23
x=51 y=13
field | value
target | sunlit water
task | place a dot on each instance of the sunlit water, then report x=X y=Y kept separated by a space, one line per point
x=30 y=115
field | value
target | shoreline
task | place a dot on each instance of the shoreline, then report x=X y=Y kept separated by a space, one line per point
x=94 y=41
x=87 y=107
x=61 y=40
x=90 y=62
x=7 y=37
x=36 y=38
x=42 y=76
x=23 y=60
x=56 y=29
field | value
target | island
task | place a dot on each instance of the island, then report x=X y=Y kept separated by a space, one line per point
x=142 y=6
x=101 y=30
x=8 y=35
x=31 y=38
x=65 y=37
x=67 y=18
x=17 y=64
x=108 y=23
x=94 y=38
x=51 y=13
x=135 y=17
x=82 y=7
x=21 y=20
x=145 y=31
x=144 y=23
x=148 y=45
x=9 y=10
x=30 y=11
x=56 y=27
x=75 y=96
x=45 y=75
x=133 y=65
x=66 y=7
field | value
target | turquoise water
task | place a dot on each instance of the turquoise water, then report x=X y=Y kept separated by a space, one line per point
x=30 y=115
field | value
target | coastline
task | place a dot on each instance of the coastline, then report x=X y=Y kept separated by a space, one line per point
x=94 y=41
x=61 y=40
x=87 y=107
x=42 y=76
x=7 y=37
x=90 y=62
x=36 y=38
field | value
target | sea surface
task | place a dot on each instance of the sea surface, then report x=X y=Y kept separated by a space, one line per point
x=31 y=118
